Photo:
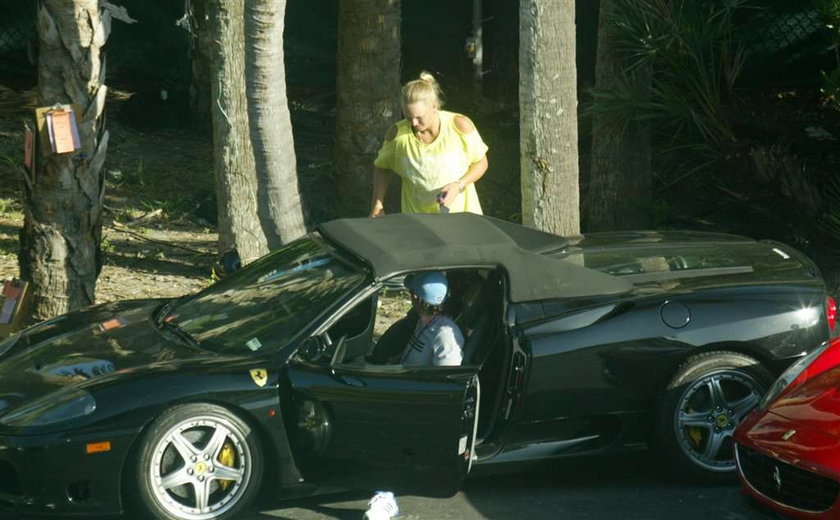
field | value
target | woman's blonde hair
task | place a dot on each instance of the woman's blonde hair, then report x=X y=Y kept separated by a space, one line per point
x=425 y=88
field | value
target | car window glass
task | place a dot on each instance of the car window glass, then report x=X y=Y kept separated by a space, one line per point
x=264 y=305
x=661 y=259
x=393 y=324
x=393 y=304
x=354 y=322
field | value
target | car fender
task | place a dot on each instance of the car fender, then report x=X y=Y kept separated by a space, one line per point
x=246 y=387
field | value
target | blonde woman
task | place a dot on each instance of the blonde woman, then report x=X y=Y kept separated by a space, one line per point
x=438 y=154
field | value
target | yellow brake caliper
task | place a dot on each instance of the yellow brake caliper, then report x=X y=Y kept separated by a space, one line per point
x=694 y=433
x=227 y=457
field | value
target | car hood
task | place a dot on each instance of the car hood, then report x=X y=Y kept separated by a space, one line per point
x=790 y=441
x=814 y=404
x=80 y=347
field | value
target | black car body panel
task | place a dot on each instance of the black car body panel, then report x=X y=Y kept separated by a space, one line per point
x=135 y=371
x=570 y=346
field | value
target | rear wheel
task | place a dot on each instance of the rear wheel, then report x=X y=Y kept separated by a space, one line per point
x=706 y=400
x=197 y=462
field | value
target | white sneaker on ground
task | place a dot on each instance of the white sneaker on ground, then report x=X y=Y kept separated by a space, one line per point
x=383 y=506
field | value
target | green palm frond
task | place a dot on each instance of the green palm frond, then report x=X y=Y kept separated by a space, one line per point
x=695 y=64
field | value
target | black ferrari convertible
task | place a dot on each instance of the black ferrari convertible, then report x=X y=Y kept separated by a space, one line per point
x=277 y=376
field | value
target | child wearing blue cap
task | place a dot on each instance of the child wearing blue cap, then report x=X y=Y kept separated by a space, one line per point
x=437 y=340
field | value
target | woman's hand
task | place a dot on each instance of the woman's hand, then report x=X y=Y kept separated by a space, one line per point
x=377 y=211
x=449 y=193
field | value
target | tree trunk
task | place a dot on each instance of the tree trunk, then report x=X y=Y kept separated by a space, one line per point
x=548 y=116
x=619 y=192
x=201 y=63
x=60 y=254
x=236 y=180
x=278 y=196
x=368 y=87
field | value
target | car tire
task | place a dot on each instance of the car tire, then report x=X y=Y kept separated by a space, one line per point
x=182 y=457
x=705 y=401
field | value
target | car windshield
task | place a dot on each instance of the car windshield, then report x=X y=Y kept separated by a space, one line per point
x=266 y=304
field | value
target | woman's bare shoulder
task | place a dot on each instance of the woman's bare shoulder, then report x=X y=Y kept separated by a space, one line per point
x=463 y=124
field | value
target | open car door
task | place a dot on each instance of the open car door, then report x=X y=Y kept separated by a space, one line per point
x=407 y=429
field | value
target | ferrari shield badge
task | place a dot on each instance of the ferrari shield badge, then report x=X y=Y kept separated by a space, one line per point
x=260 y=376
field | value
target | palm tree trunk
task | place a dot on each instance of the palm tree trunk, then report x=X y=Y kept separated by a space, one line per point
x=279 y=201
x=236 y=180
x=548 y=133
x=368 y=89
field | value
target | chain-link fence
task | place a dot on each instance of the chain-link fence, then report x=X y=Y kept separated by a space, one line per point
x=18 y=36
x=17 y=25
x=787 y=42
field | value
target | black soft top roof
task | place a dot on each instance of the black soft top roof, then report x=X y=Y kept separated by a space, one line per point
x=398 y=243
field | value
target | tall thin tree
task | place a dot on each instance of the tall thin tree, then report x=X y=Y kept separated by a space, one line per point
x=278 y=196
x=63 y=195
x=368 y=88
x=548 y=116
x=236 y=181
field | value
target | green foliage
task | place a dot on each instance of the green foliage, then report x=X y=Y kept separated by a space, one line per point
x=106 y=246
x=830 y=10
x=695 y=63
x=831 y=86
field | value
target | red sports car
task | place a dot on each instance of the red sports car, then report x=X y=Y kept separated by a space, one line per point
x=788 y=448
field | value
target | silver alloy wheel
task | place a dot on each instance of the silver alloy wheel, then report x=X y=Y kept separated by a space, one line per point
x=707 y=414
x=189 y=475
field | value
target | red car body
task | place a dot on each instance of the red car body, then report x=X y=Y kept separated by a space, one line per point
x=788 y=450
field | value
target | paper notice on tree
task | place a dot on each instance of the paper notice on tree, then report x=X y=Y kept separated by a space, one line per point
x=62 y=131
x=45 y=130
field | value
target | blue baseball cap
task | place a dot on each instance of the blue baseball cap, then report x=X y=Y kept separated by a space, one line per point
x=430 y=286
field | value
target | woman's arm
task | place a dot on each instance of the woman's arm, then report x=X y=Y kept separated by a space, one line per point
x=475 y=171
x=381 y=180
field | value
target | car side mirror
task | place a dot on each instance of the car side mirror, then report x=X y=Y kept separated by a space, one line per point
x=314 y=349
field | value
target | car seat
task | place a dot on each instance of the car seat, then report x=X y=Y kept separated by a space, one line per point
x=479 y=303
